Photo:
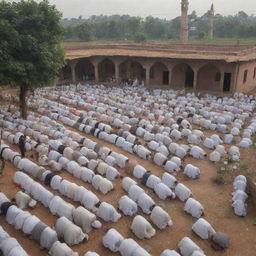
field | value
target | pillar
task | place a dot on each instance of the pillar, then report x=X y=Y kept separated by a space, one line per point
x=195 y=79
x=184 y=21
x=96 y=71
x=147 y=82
x=170 y=76
x=73 y=70
x=117 y=72
x=95 y=61
x=210 y=22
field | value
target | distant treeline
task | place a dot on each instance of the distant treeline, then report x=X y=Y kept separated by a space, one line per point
x=125 y=27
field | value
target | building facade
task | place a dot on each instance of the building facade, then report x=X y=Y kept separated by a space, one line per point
x=211 y=68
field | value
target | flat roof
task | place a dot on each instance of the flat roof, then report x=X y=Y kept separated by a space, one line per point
x=228 y=53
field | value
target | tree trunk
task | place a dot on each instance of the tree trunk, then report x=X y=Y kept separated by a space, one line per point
x=23 y=103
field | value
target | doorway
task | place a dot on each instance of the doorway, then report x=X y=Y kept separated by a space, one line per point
x=189 y=81
x=166 y=77
x=227 y=82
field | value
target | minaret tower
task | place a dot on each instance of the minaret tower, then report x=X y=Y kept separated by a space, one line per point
x=210 y=22
x=184 y=21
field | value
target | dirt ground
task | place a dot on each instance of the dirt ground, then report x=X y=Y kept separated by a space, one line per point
x=216 y=200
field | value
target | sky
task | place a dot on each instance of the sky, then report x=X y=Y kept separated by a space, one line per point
x=158 y=8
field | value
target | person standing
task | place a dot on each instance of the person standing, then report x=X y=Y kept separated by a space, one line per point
x=22 y=148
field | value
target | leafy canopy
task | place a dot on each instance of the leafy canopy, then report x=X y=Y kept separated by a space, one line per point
x=30 y=36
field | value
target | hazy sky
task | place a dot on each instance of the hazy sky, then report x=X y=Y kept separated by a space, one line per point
x=159 y=8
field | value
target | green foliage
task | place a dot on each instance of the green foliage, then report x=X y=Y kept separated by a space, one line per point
x=154 y=28
x=125 y=27
x=139 y=37
x=30 y=36
x=201 y=35
x=84 y=31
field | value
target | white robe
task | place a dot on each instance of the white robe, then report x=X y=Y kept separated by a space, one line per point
x=87 y=175
x=187 y=247
x=163 y=191
x=152 y=181
x=128 y=248
x=29 y=224
x=169 y=180
x=89 y=200
x=48 y=238
x=22 y=199
x=91 y=254
x=160 y=218
x=84 y=219
x=239 y=195
x=145 y=202
x=171 y=166
x=182 y=192
x=169 y=253
x=142 y=228
x=215 y=156
x=139 y=171
x=239 y=185
x=12 y=213
x=112 y=173
x=61 y=249
x=127 y=206
x=239 y=208
x=112 y=240
x=20 y=219
x=71 y=233
x=192 y=171
x=203 y=229
x=194 y=208
x=108 y=213
x=135 y=192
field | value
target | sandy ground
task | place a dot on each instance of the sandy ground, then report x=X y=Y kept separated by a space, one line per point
x=216 y=200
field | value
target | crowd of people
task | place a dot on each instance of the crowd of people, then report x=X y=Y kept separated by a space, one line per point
x=69 y=129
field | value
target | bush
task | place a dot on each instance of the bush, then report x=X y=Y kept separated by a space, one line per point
x=139 y=37
x=201 y=35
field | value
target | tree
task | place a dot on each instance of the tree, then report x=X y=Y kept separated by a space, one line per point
x=139 y=37
x=84 y=31
x=133 y=25
x=154 y=28
x=30 y=51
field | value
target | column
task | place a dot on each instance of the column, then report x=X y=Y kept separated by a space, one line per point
x=195 y=79
x=96 y=71
x=147 y=82
x=117 y=72
x=184 y=21
x=170 y=76
x=73 y=71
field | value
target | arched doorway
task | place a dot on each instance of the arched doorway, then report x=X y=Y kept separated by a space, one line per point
x=106 y=70
x=182 y=76
x=131 y=69
x=209 y=78
x=159 y=74
x=85 y=70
